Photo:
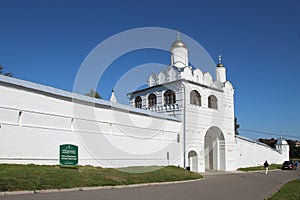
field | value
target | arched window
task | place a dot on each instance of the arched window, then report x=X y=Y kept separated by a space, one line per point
x=152 y=100
x=169 y=97
x=20 y=118
x=212 y=102
x=138 y=102
x=195 y=98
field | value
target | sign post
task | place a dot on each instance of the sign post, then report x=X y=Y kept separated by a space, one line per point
x=68 y=155
x=168 y=158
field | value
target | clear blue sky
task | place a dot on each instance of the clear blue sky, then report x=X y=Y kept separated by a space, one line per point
x=46 y=42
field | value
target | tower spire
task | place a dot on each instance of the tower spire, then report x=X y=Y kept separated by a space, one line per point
x=220 y=61
x=113 y=98
x=179 y=53
x=221 y=71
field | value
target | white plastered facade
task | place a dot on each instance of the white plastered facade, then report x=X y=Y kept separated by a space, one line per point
x=180 y=128
x=208 y=135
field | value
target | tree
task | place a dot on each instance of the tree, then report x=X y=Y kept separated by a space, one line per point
x=236 y=126
x=294 y=151
x=5 y=74
x=93 y=93
x=271 y=142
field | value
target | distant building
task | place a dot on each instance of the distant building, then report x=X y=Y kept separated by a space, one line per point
x=183 y=117
x=297 y=144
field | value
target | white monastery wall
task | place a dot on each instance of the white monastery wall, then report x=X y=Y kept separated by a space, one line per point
x=252 y=153
x=34 y=122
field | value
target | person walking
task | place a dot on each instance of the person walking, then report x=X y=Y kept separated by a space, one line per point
x=266 y=165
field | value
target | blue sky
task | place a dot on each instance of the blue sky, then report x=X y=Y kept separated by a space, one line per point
x=46 y=42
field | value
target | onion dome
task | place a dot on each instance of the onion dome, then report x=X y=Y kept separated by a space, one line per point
x=178 y=43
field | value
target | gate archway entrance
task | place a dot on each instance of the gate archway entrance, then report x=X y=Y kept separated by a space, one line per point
x=214 y=149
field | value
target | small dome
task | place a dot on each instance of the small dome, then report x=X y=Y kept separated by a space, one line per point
x=281 y=141
x=220 y=65
x=177 y=44
x=220 y=61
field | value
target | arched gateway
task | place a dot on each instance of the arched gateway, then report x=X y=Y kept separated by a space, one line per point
x=214 y=149
x=193 y=161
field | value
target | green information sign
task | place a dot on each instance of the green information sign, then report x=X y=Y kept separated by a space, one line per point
x=68 y=154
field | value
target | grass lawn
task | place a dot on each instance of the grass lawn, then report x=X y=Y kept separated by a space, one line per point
x=271 y=167
x=289 y=191
x=39 y=177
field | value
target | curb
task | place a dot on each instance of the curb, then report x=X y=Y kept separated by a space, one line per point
x=16 y=193
x=279 y=187
x=94 y=188
x=262 y=171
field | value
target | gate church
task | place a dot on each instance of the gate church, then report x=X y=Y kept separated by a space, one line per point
x=205 y=107
x=192 y=123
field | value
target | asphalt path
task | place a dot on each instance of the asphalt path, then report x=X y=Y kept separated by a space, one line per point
x=231 y=186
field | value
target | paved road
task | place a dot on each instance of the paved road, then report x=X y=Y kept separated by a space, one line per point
x=234 y=186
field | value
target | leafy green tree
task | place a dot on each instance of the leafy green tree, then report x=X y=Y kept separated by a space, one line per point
x=5 y=74
x=294 y=151
x=271 y=142
x=93 y=93
x=236 y=126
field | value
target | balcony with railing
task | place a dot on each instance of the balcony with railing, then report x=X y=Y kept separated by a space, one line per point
x=164 y=108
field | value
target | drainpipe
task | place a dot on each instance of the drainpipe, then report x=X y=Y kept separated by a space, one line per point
x=184 y=119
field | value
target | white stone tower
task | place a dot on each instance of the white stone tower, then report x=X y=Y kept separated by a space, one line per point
x=283 y=147
x=205 y=106
x=221 y=71
x=179 y=53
